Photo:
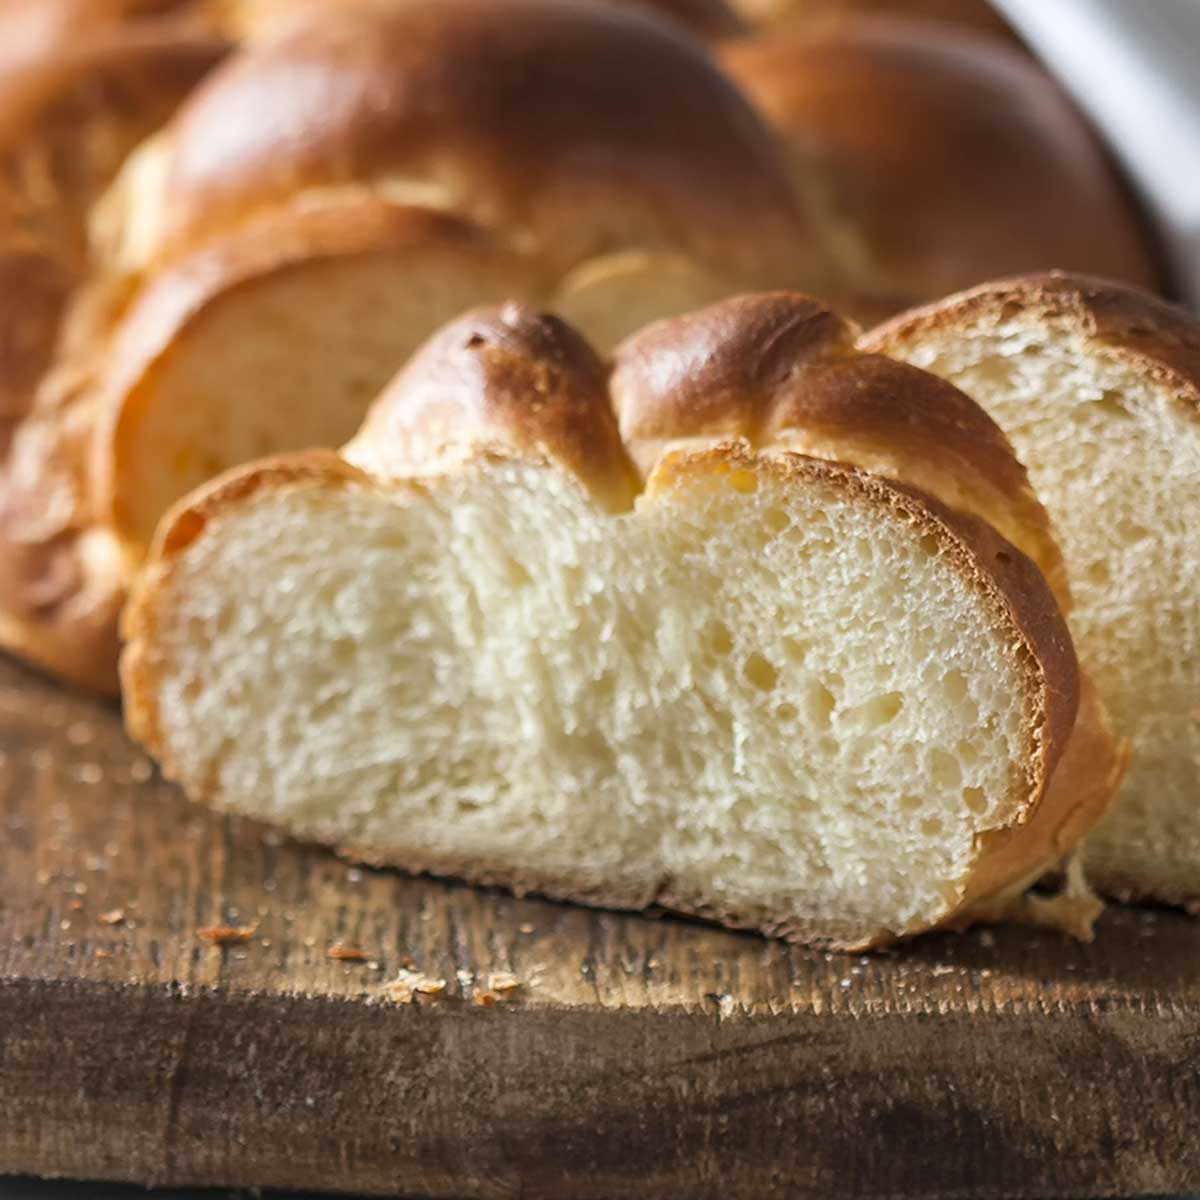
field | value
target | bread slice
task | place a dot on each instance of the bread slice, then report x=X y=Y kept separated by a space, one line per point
x=762 y=686
x=1099 y=389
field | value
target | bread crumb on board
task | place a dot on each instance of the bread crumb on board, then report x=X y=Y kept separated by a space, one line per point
x=114 y=916
x=345 y=953
x=409 y=984
x=224 y=935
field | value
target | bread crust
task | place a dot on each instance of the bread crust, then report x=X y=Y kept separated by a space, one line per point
x=510 y=380
x=1160 y=340
x=1072 y=765
x=585 y=126
x=893 y=131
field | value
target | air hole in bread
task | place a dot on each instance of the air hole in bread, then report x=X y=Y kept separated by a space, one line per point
x=760 y=672
x=946 y=770
x=720 y=640
x=975 y=800
x=777 y=520
x=820 y=705
x=1111 y=405
x=796 y=649
x=955 y=685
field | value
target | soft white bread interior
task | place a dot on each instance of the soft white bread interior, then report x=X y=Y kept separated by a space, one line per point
x=935 y=157
x=1099 y=389
x=762 y=686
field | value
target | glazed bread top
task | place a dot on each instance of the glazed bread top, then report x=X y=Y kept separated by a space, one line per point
x=578 y=127
x=935 y=158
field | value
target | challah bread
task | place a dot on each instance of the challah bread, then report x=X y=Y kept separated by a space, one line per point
x=939 y=158
x=761 y=686
x=1099 y=388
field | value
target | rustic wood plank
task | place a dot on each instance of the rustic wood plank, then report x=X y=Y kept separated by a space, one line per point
x=650 y=1057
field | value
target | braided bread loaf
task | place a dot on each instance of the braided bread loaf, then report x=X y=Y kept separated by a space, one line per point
x=656 y=631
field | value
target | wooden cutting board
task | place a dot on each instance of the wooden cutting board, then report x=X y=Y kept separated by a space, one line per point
x=638 y=1057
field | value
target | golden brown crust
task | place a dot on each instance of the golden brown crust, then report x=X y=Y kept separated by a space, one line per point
x=586 y=127
x=1159 y=339
x=895 y=137
x=510 y=380
x=782 y=370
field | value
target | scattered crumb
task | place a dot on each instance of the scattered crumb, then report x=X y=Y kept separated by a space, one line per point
x=76 y=905
x=652 y=963
x=525 y=927
x=354 y=875
x=64 y=925
x=114 y=916
x=103 y=954
x=486 y=999
x=310 y=942
x=502 y=981
x=346 y=953
x=223 y=935
x=80 y=889
x=943 y=969
x=374 y=965
x=408 y=984
x=987 y=939
x=43 y=877
x=141 y=771
x=407 y=962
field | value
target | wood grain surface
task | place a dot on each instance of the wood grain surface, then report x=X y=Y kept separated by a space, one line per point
x=637 y=1057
